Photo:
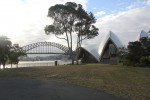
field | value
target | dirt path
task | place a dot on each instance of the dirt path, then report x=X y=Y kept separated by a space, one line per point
x=28 y=89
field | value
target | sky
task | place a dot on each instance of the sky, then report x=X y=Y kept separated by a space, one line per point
x=23 y=21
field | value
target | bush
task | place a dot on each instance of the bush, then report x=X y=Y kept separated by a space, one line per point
x=145 y=61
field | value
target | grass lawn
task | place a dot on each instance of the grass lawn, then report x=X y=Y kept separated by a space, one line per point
x=130 y=82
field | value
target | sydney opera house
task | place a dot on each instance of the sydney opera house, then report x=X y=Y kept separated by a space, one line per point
x=101 y=54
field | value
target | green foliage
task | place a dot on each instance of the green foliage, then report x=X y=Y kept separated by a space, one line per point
x=9 y=52
x=122 y=55
x=70 y=19
x=64 y=18
x=145 y=61
x=145 y=43
x=15 y=53
x=84 y=25
x=5 y=45
x=135 y=51
x=138 y=53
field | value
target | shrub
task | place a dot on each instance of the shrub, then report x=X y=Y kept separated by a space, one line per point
x=145 y=61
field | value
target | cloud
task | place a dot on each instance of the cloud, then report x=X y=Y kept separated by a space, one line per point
x=127 y=25
x=100 y=13
x=147 y=2
x=144 y=0
x=23 y=21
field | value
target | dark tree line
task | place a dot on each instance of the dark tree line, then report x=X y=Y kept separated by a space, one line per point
x=137 y=53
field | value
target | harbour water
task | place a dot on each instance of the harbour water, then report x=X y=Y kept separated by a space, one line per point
x=37 y=63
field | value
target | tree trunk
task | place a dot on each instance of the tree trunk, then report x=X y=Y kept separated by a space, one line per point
x=72 y=58
x=70 y=50
x=3 y=63
x=17 y=65
x=0 y=64
x=67 y=40
x=77 y=49
x=11 y=64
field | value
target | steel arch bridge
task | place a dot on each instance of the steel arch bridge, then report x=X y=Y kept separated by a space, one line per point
x=50 y=48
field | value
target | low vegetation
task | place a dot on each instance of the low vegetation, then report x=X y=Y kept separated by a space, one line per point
x=137 y=53
x=130 y=82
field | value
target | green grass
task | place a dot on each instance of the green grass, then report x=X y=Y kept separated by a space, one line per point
x=130 y=82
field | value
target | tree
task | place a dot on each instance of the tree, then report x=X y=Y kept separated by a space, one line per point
x=14 y=55
x=138 y=51
x=71 y=19
x=84 y=25
x=145 y=43
x=122 y=55
x=135 y=53
x=5 y=45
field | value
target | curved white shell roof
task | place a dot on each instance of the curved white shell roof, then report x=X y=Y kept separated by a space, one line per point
x=143 y=34
x=97 y=51
x=93 y=50
x=110 y=36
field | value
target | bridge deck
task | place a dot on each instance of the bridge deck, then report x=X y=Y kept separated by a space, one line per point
x=45 y=53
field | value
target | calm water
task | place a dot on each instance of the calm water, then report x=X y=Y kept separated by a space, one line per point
x=38 y=63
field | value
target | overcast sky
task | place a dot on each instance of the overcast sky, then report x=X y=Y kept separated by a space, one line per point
x=23 y=21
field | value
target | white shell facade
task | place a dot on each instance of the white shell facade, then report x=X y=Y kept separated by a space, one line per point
x=143 y=34
x=110 y=36
x=97 y=51
x=149 y=35
x=93 y=51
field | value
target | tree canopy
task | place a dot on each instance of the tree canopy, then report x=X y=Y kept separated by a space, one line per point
x=69 y=19
x=15 y=53
x=5 y=45
x=137 y=53
x=138 y=50
x=9 y=52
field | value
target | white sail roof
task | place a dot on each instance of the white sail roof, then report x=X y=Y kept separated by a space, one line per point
x=96 y=51
x=110 y=36
x=93 y=50
x=143 y=34
x=149 y=35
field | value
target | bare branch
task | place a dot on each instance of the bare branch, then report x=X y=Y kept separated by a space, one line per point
x=82 y=39
x=60 y=37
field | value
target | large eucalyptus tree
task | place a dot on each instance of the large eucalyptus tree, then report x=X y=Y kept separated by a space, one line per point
x=69 y=19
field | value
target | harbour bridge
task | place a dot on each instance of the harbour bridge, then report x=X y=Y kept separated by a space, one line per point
x=46 y=48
